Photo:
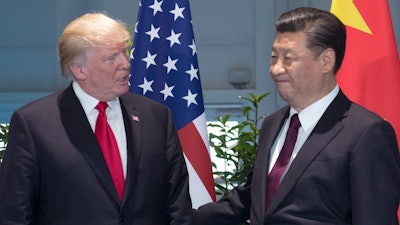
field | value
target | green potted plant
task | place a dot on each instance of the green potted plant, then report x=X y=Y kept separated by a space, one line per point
x=241 y=155
x=3 y=139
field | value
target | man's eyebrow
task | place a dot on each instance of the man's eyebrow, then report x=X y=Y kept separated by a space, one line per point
x=283 y=49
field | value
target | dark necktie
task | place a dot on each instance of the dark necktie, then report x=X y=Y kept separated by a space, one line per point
x=281 y=163
x=109 y=147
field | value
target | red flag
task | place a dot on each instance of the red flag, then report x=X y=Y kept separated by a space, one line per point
x=370 y=73
x=164 y=67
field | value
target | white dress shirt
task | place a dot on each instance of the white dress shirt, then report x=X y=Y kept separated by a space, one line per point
x=309 y=118
x=114 y=119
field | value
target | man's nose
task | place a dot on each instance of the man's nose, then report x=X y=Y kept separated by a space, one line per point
x=277 y=68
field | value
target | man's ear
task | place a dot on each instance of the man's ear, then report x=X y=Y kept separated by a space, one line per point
x=78 y=71
x=327 y=59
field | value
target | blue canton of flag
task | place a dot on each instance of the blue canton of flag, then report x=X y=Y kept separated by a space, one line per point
x=164 y=63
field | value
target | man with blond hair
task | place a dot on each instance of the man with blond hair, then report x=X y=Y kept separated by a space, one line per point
x=94 y=154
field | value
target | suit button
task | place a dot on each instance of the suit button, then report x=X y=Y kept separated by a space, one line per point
x=122 y=219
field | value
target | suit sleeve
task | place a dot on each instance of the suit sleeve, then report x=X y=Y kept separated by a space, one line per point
x=178 y=179
x=232 y=209
x=375 y=177
x=19 y=175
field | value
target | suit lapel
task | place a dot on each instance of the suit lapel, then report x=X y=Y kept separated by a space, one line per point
x=326 y=129
x=132 y=128
x=81 y=135
x=269 y=133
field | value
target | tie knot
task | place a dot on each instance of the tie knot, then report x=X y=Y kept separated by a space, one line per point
x=101 y=106
x=295 y=122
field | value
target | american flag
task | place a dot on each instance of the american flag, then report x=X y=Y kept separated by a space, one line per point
x=164 y=67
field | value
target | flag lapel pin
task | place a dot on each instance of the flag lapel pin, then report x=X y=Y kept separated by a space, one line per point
x=135 y=118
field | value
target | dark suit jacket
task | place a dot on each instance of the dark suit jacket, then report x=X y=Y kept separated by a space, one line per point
x=54 y=173
x=347 y=172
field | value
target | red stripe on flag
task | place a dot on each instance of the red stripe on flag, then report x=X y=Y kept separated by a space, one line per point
x=197 y=153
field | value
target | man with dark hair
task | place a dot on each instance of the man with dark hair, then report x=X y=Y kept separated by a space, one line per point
x=322 y=159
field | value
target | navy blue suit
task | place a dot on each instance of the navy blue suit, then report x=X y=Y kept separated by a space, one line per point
x=54 y=172
x=346 y=173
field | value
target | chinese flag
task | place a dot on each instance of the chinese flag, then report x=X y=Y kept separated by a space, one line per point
x=370 y=73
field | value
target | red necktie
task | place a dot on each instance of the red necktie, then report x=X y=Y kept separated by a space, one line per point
x=109 y=147
x=281 y=163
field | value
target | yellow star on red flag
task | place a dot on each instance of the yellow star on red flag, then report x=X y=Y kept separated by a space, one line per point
x=349 y=14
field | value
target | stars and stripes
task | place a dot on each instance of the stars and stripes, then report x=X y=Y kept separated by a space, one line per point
x=164 y=67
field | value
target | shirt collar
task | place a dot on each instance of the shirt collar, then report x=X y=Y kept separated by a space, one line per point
x=88 y=102
x=311 y=114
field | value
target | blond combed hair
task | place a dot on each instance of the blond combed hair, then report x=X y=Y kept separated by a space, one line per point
x=88 y=31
